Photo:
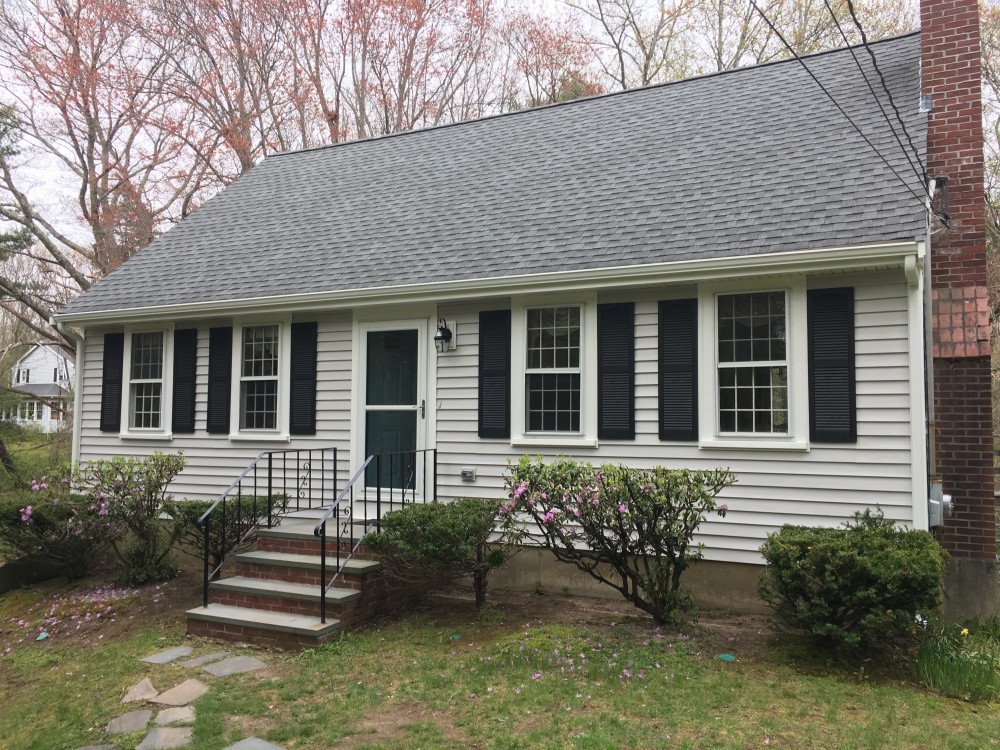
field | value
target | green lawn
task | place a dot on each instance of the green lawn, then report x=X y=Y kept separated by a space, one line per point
x=534 y=672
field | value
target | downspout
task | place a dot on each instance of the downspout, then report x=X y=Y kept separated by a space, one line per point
x=932 y=472
x=78 y=337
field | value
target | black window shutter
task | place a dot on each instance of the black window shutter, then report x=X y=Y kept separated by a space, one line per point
x=111 y=382
x=832 y=383
x=220 y=366
x=616 y=371
x=494 y=374
x=678 y=366
x=185 y=369
x=302 y=410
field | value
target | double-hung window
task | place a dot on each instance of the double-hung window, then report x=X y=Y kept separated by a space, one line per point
x=259 y=377
x=754 y=342
x=752 y=363
x=553 y=373
x=146 y=380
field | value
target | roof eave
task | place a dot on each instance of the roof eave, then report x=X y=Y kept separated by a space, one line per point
x=857 y=257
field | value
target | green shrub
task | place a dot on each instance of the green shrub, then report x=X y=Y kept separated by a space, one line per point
x=189 y=538
x=444 y=540
x=134 y=491
x=48 y=526
x=857 y=587
x=961 y=663
x=637 y=522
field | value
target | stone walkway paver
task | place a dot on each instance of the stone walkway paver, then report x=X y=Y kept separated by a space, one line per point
x=169 y=655
x=173 y=704
x=133 y=721
x=253 y=743
x=142 y=691
x=235 y=665
x=163 y=738
x=186 y=692
x=202 y=660
x=179 y=715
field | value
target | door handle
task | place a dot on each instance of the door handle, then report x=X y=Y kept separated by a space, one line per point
x=421 y=408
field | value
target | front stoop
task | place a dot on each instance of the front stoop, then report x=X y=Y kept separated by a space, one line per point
x=274 y=597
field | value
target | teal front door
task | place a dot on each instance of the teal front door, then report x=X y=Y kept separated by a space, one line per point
x=394 y=406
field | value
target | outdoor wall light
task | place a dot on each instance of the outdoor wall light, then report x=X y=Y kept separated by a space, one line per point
x=442 y=339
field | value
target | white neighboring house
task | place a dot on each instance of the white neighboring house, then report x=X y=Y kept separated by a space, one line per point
x=45 y=377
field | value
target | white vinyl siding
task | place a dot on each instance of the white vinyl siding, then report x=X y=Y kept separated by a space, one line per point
x=213 y=461
x=822 y=486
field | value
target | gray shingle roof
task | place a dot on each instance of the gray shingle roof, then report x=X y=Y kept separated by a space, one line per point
x=752 y=161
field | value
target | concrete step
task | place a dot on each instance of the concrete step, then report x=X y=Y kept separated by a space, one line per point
x=307 y=562
x=297 y=528
x=283 y=589
x=257 y=619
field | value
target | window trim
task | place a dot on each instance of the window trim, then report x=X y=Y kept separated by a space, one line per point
x=280 y=432
x=163 y=432
x=796 y=355
x=587 y=436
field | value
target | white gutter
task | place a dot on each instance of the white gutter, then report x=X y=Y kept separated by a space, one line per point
x=859 y=257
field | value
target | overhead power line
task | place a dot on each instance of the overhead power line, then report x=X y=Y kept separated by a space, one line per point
x=825 y=90
x=885 y=87
x=920 y=173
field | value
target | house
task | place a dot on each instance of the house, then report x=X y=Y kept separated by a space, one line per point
x=742 y=270
x=44 y=376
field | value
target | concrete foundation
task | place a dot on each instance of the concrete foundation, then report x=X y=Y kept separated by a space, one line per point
x=715 y=585
x=971 y=589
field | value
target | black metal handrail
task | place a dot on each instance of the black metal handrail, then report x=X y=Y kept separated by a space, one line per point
x=344 y=506
x=295 y=477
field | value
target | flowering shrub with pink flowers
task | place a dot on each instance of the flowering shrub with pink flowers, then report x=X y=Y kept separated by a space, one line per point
x=66 y=520
x=49 y=525
x=629 y=528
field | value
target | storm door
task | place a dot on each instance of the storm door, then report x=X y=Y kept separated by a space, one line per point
x=393 y=406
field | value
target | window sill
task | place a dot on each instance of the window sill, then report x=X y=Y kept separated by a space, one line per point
x=753 y=444
x=260 y=437
x=553 y=441
x=136 y=435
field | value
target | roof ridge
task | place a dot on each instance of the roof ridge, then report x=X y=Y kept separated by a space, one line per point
x=587 y=99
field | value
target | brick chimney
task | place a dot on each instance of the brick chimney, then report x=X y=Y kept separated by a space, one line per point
x=951 y=77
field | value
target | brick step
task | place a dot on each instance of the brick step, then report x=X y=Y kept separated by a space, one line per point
x=259 y=626
x=279 y=596
x=297 y=537
x=299 y=568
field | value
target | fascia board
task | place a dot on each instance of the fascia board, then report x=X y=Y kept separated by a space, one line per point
x=616 y=277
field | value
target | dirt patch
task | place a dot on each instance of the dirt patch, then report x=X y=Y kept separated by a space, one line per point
x=92 y=610
x=388 y=724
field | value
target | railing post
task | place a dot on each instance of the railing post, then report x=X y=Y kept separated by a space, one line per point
x=270 y=491
x=435 y=474
x=208 y=520
x=322 y=573
x=378 y=492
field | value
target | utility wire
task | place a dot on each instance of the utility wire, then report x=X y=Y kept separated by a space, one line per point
x=885 y=87
x=919 y=198
x=920 y=173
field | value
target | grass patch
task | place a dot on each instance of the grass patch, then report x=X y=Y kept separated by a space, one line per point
x=579 y=675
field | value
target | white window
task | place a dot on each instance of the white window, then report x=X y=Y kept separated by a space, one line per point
x=260 y=359
x=29 y=411
x=753 y=346
x=146 y=397
x=554 y=366
x=23 y=375
x=552 y=374
x=146 y=381
x=752 y=365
